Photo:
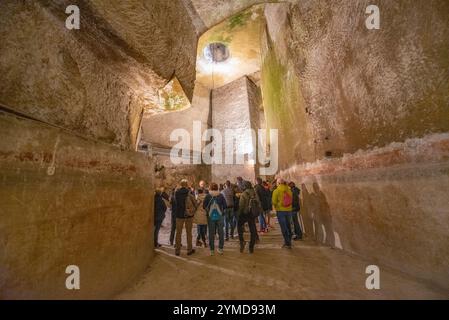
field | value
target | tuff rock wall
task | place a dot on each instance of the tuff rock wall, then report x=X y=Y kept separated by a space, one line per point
x=72 y=190
x=363 y=122
x=67 y=200
x=99 y=79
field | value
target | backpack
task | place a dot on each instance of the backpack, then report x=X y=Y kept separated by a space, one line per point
x=254 y=209
x=190 y=207
x=214 y=210
x=286 y=199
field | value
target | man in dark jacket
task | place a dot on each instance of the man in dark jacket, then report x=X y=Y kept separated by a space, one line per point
x=244 y=216
x=159 y=215
x=264 y=197
x=182 y=195
x=295 y=210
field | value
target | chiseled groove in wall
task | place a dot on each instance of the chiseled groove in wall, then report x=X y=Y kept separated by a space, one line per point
x=379 y=174
x=100 y=162
x=25 y=116
x=430 y=150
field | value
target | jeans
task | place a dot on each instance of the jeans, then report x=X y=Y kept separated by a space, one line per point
x=188 y=222
x=242 y=219
x=284 y=221
x=297 y=226
x=289 y=224
x=216 y=226
x=262 y=222
x=229 y=221
x=173 y=228
x=202 y=229
x=157 y=227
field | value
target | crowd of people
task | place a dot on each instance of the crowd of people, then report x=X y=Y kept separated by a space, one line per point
x=221 y=210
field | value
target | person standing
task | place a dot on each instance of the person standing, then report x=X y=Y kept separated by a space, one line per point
x=265 y=199
x=282 y=201
x=268 y=205
x=200 y=219
x=236 y=199
x=239 y=183
x=215 y=204
x=249 y=203
x=184 y=207
x=159 y=215
x=173 y=218
x=228 y=194
x=295 y=211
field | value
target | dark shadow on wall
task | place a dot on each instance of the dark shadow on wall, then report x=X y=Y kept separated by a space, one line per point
x=317 y=216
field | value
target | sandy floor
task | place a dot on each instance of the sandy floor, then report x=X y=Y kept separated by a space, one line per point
x=307 y=271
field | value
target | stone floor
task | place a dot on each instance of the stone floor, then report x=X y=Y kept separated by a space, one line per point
x=307 y=271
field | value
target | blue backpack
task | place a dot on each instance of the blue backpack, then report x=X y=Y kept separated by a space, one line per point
x=215 y=212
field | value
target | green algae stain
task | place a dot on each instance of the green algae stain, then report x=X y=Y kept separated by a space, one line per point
x=239 y=20
x=274 y=76
x=284 y=108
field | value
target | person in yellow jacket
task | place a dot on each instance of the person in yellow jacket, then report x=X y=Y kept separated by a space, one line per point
x=282 y=199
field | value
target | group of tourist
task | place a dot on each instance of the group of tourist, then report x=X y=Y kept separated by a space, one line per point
x=221 y=209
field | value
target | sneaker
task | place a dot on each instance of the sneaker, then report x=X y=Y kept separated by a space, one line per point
x=251 y=250
x=198 y=243
x=212 y=252
x=242 y=246
x=178 y=252
x=220 y=251
x=227 y=239
x=191 y=252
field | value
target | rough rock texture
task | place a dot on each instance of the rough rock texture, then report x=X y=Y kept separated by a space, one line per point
x=215 y=11
x=169 y=175
x=161 y=32
x=366 y=104
x=352 y=88
x=156 y=129
x=231 y=109
x=95 y=209
x=241 y=36
x=96 y=80
x=67 y=200
x=389 y=205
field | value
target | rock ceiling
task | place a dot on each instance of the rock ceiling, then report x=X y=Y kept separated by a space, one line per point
x=237 y=37
x=212 y=12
